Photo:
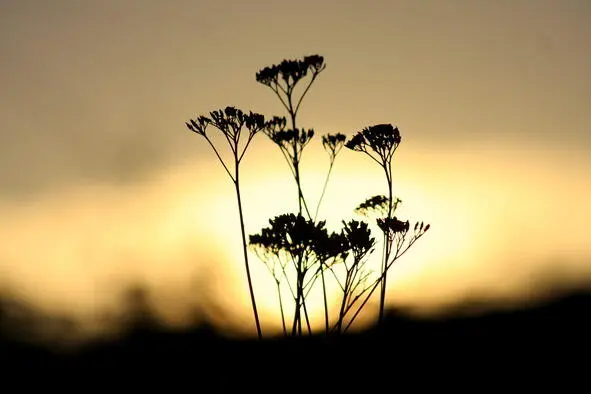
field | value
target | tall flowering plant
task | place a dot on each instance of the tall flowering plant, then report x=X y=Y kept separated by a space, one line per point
x=297 y=249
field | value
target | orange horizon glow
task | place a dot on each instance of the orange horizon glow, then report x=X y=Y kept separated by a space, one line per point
x=93 y=242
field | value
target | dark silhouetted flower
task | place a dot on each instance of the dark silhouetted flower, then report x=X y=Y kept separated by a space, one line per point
x=290 y=71
x=383 y=139
x=359 y=239
x=378 y=205
x=229 y=121
x=276 y=123
x=331 y=246
x=290 y=233
x=315 y=63
x=393 y=225
x=288 y=139
x=199 y=125
x=333 y=143
x=268 y=75
x=255 y=121
x=297 y=236
x=421 y=227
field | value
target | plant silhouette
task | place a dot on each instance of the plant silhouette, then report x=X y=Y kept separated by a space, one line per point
x=297 y=249
x=230 y=122
x=379 y=142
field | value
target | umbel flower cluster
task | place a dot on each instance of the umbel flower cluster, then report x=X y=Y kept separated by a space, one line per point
x=297 y=249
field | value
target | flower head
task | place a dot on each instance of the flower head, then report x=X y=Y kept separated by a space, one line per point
x=359 y=239
x=393 y=225
x=290 y=233
x=378 y=205
x=382 y=139
x=290 y=71
x=286 y=138
x=198 y=126
x=333 y=143
x=229 y=121
x=315 y=63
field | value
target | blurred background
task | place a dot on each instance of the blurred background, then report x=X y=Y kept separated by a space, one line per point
x=102 y=187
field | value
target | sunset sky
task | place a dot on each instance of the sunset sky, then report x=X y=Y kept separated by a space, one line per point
x=102 y=186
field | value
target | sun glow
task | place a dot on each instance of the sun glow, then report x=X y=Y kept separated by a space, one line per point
x=78 y=250
x=272 y=192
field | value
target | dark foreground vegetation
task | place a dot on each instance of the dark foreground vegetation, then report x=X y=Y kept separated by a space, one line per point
x=530 y=347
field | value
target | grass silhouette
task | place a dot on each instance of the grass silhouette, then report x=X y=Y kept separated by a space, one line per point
x=230 y=122
x=297 y=249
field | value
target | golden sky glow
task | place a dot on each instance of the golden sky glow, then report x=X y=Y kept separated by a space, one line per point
x=102 y=186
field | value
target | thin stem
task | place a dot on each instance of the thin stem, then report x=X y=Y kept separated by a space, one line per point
x=220 y=159
x=377 y=281
x=281 y=308
x=245 y=147
x=373 y=158
x=279 y=96
x=297 y=324
x=297 y=179
x=277 y=278
x=384 y=281
x=325 y=301
x=246 y=264
x=296 y=157
x=342 y=311
x=323 y=189
x=336 y=277
x=304 y=93
x=308 y=326
x=296 y=160
x=287 y=280
x=288 y=159
x=301 y=297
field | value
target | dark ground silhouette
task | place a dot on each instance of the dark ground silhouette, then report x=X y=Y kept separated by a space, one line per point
x=530 y=347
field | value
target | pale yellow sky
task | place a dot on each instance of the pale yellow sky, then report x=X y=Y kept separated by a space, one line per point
x=101 y=184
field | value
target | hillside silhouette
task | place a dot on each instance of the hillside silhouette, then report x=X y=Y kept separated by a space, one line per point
x=536 y=344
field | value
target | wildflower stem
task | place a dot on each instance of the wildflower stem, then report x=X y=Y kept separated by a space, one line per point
x=342 y=311
x=304 y=93
x=323 y=189
x=279 y=96
x=220 y=159
x=399 y=253
x=387 y=165
x=325 y=300
x=281 y=307
x=297 y=324
x=296 y=156
x=246 y=264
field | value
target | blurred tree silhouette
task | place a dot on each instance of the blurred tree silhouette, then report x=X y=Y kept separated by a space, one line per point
x=297 y=249
x=23 y=322
x=138 y=314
